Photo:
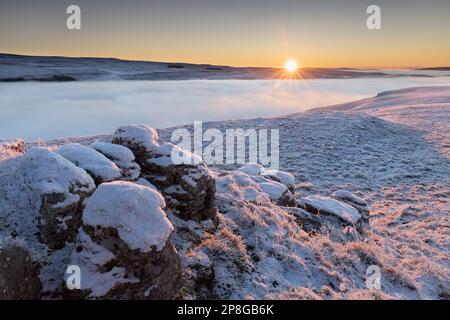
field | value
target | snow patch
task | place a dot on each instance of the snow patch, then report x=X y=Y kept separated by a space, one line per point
x=94 y=162
x=331 y=206
x=134 y=210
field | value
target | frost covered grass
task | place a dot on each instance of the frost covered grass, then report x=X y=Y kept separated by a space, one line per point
x=392 y=152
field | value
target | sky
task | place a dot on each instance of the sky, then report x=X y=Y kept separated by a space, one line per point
x=316 y=33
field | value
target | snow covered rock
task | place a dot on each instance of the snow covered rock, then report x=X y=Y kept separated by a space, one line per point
x=121 y=156
x=252 y=169
x=256 y=189
x=277 y=191
x=141 y=139
x=58 y=189
x=325 y=205
x=283 y=177
x=355 y=201
x=124 y=248
x=18 y=273
x=134 y=211
x=188 y=186
x=16 y=145
x=279 y=185
x=96 y=164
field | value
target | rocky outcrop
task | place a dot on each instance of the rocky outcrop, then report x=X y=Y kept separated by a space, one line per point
x=96 y=164
x=58 y=190
x=122 y=157
x=18 y=274
x=124 y=248
x=185 y=181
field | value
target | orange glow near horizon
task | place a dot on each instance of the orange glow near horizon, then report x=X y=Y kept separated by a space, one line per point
x=329 y=34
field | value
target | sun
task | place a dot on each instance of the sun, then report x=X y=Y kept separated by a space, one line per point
x=291 y=65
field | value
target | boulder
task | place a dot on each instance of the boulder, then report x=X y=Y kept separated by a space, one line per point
x=185 y=181
x=283 y=177
x=96 y=164
x=279 y=185
x=277 y=191
x=121 y=156
x=58 y=190
x=355 y=201
x=124 y=248
x=18 y=274
x=252 y=169
x=317 y=204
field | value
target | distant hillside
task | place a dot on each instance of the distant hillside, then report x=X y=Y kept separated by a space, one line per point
x=436 y=69
x=15 y=68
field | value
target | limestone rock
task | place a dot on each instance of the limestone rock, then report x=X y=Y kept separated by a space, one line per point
x=124 y=248
x=355 y=201
x=58 y=188
x=185 y=181
x=324 y=205
x=96 y=164
x=121 y=156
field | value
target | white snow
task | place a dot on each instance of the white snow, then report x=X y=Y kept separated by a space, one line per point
x=139 y=134
x=48 y=172
x=134 y=210
x=332 y=206
x=121 y=156
x=274 y=189
x=92 y=161
x=285 y=178
x=113 y=151
x=252 y=168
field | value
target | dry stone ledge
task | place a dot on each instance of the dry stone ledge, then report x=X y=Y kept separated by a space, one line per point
x=58 y=190
x=188 y=186
x=124 y=248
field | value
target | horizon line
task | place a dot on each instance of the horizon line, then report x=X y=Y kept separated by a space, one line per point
x=218 y=65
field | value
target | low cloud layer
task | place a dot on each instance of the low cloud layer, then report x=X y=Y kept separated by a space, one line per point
x=52 y=110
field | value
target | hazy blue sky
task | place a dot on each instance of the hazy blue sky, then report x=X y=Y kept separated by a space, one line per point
x=234 y=32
